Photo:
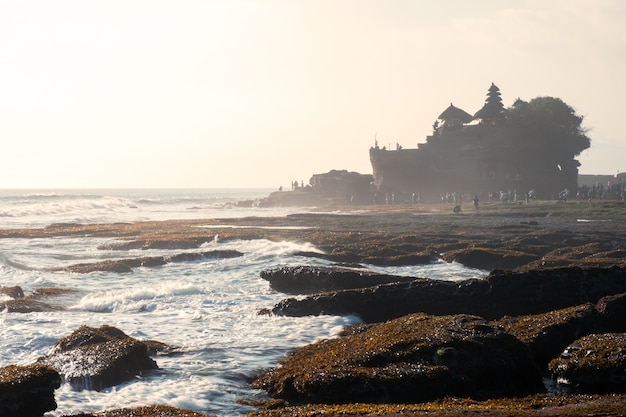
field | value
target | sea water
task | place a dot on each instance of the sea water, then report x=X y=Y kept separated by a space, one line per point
x=207 y=308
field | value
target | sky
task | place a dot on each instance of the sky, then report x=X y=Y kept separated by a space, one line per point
x=258 y=93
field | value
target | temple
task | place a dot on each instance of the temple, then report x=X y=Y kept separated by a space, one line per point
x=481 y=154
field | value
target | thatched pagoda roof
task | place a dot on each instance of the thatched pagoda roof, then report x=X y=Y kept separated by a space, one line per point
x=453 y=113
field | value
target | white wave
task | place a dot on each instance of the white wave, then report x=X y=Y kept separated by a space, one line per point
x=135 y=299
x=264 y=248
x=4 y=260
x=448 y=271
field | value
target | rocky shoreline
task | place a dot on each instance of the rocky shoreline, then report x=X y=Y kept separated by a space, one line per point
x=552 y=306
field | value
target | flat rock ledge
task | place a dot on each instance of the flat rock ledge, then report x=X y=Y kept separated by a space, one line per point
x=97 y=358
x=499 y=294
x=126 y=265
x=308 y=280
x=38 y=301
x=27 y=391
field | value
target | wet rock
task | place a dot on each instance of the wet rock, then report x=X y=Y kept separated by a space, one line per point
x=27 y=305
x=594 y=363
x=27 y=391
x=31 y=302
x=598 y=254
x=122 y=266
x=388 y=301
x=13 y=292
x=119 y=266
x=488 y=258
x=307 y=279
x=384 y=251
x=213 y=254
x=542 y=290
x=411 y=359
x=612 y=310
x=95 y=359
x=499 y=294
x=547 y=334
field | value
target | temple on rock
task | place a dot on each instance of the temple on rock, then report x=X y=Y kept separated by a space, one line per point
x=530 y=146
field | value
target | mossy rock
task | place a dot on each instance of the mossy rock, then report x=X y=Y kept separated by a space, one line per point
x=27 y=391
x=414 y=358
x=547 y=334
x=594 y=363
x=97 y=358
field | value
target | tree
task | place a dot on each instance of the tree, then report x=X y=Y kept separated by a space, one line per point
x=553 y=132
x=551 y=123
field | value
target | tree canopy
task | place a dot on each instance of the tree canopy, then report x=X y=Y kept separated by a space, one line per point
x=552 y=128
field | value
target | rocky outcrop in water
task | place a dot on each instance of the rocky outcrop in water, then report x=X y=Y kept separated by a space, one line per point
x=411 y=359
x=27 y=391
x=127 y=265
x=547 y=334
x=95 y=359
x=499 y=294
x=593 y=363
x=37 y=301
x=309 y=279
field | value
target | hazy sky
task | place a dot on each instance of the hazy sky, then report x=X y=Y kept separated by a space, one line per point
x=257 y=93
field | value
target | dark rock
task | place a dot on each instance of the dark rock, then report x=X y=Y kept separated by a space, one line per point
x=31 y=303
x=13 y=292
x=594 y=363
x=118 y=266
x=27 y=305
x=213 y=254
x=27 y=391
x=538 y=291
x=308 y=279
x=388 y=301
x=547 y=334
x=488 y=258
x=499 y=294
x=126 y=265
x=612 y=310
x=411 y=359
x=95 y=359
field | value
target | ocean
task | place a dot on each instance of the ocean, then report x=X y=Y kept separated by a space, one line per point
x=207 y=308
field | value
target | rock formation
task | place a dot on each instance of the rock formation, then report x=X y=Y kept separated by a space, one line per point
x=594 y=363
x=499 y=294
x=307 y=280
x=95 y=359
x=27 y=391
x=411 y=359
